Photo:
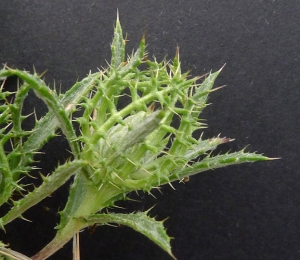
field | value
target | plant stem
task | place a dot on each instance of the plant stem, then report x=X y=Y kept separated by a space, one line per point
x=62 y=237
x=91 y=203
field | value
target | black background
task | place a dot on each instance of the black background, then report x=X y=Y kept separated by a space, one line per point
x=242 y=212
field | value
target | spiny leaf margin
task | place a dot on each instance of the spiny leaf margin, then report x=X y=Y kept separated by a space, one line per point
x=140 y=222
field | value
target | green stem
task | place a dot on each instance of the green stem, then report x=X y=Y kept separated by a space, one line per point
x=59 y=241
x=93 y=202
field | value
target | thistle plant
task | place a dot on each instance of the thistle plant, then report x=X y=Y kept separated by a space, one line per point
x=119 y=148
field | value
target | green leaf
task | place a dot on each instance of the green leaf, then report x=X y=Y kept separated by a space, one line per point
x=135 y=60
x=47 y=125
x=77 y=194
x=203 y=146
x=6 y=177
x=54 y=104
x=49 y=185
x=140 y=222
x=118 y=46
x=203 y=90
x=218 y=161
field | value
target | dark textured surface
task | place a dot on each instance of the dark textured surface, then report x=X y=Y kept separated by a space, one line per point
x=242 y=212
